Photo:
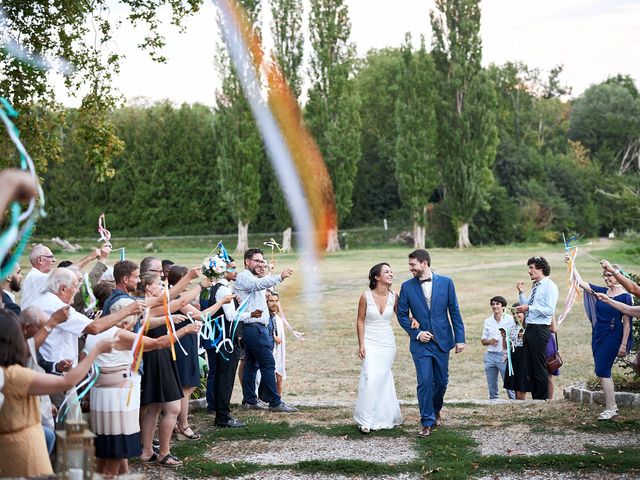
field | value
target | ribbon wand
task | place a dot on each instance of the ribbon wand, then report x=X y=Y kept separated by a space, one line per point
x=273 y=245
x=105 y=235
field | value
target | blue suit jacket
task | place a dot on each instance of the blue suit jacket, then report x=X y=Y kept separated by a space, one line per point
x=443 y=319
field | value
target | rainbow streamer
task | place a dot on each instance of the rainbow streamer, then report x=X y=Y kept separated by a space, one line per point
x=293 y=152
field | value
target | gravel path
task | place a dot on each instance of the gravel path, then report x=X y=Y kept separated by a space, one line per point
x=313 y=446
x=521 y=441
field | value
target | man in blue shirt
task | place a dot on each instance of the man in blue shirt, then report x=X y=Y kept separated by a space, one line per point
x=538 y=308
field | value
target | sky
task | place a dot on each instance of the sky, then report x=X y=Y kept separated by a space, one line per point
x=593 y=39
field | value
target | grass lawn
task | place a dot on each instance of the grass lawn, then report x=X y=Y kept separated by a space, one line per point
x=326 y=366
x=544 y=440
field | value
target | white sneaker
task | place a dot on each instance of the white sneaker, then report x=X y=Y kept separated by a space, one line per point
x=608 y=414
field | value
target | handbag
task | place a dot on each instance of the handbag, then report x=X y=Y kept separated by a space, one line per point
x=554 y=362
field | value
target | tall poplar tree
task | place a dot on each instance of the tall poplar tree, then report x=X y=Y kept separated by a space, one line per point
x=239 y=144
x=288 y=51
x=416 y=154
x=466 y=114
x=333 y=108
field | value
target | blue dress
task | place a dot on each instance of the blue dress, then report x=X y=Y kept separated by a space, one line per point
x=606 y=335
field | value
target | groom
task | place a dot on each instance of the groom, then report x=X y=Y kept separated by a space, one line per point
x=433 y=304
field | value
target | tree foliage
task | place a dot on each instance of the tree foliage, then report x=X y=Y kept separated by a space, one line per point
x=466 y=116
x=333 y=107
x=416 y=148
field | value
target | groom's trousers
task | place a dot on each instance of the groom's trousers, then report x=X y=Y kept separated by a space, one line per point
x=432 y=372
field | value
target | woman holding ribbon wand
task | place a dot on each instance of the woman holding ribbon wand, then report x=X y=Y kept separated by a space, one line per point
x=611 y=330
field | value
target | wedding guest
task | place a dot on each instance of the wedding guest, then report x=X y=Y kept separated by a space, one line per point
x=610 y=331
x=539 y=309
x=189 y=364
x=257 y=350
x=552 y=349
x=11 y=285
x=161 y=387
x=24 y=451
x=495 y=358
x=518 y=381
x=33 y=286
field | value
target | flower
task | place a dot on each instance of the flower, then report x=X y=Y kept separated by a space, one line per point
x=213 y=267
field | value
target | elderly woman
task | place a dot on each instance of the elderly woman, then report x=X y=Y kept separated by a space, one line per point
x=495 y=361
x=24 y=451
x=610 y=336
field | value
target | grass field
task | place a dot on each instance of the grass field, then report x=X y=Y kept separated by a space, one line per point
x=326 y=366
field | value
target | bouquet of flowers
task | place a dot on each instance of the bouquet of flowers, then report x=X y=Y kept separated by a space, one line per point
x=214 y=266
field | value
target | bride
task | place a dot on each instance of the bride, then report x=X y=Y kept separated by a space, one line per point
x=377 y=406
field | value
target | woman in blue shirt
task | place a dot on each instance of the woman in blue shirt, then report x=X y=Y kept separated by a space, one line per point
x=611 y=333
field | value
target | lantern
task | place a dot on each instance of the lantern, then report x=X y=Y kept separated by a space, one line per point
x=76 y=453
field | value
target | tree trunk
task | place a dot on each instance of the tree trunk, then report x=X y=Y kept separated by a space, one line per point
x=286 y=240
x=463 y=235
x=243 y=237
x=419 y=234
x=333 y=245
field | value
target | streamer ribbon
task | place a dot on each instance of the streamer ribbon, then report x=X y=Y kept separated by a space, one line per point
x=171 y=326
x=21 y=223
x=84 y=388
x=105 y=235
x=87 y=293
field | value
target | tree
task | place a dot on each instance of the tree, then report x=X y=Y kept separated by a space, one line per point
x=44 y=35
x=375 y=190
x=606 y=120
x=240 y=150
x=416 y=154
x=466 y=115
x=333 y=108
x=288 y=48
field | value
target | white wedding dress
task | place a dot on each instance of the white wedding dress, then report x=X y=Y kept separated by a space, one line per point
x=377 y=406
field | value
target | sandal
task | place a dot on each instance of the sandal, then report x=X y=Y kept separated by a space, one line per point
x=182 y=434
x=169 y=461
x=152 y=459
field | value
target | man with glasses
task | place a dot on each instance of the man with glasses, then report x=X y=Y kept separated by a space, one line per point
x=43 y=261
x=539 y=309
x=258 y=343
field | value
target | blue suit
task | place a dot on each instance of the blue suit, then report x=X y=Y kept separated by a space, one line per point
x=431 y=359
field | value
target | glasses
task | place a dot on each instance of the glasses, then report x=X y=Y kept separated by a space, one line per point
x=50 y=257
x=257 y=260
x=154 y=271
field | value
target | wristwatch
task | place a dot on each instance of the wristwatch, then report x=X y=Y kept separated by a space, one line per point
x=47 y=328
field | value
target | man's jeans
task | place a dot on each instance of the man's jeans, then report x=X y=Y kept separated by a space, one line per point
x=494 y=365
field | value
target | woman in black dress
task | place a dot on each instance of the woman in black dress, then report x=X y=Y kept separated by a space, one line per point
x=188 y=365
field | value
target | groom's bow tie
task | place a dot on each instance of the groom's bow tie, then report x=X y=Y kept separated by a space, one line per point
x=426 y=280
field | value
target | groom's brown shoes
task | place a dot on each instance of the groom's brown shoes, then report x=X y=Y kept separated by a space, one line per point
x=425 y=432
